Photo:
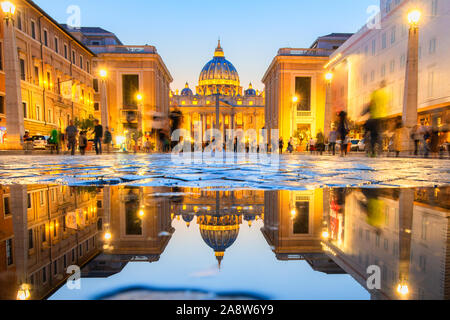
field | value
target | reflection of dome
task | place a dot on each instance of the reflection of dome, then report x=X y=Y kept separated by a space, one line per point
x=250 y=91
x=250 y=218
x=188 y=219
x=219 y=232
x=219 y=75
x=186 y=91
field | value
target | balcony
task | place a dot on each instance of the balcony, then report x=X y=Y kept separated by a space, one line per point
x=123 y=49
x=304 y=114
x=302 y=52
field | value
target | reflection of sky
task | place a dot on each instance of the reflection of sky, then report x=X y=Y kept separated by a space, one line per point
x=249 y=266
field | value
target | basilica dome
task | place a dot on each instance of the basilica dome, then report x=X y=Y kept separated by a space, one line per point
x=219 y=74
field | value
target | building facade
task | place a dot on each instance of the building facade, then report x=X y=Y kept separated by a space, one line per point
x=55 y=71
x=219 y=85
x=378 y=52
x=132 y=96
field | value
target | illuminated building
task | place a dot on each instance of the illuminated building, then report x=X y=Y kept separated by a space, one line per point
x=237 y=110
x=37 y=242
x=378 y=52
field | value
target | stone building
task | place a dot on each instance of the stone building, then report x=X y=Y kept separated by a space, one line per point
x=55 y=76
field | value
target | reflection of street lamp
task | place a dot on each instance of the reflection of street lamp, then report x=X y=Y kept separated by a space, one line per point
x=295 y=100
x=410 y=102
x=108 y=236
x=24 y=292
x=104 y=98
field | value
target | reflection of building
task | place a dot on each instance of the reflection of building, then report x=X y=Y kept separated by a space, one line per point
x=296 y=89
x=293 y=227
x=137 y=85
x=405 y=233
x=55 y=71
x=42 y=246
x=375 y=54
x=220 y=215
x=237 y=111
x=139 y=227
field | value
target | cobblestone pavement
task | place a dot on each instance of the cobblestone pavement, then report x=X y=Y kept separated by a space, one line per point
x=294 y=172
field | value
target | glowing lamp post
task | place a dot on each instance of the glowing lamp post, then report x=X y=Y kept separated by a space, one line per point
x=104 y=98
x=13 y=98
x=410 y=101
x=295 y=101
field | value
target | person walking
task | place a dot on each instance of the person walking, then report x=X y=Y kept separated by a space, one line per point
x=108 y=139
x=333 y=140
x=98 y=136
x=71 y=133
x=55 y=141
x=290 y=147
x=377 y=110
x=320 y=143
x=415 y=136
x=82 y=142
x=343 y=131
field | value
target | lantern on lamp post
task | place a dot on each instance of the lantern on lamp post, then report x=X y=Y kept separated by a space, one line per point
x=15 y=128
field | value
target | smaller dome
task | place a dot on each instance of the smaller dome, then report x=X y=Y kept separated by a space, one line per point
x=186 y=91
x=250 y=91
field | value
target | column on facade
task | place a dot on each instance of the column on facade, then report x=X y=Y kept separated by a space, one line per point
x=14 y=111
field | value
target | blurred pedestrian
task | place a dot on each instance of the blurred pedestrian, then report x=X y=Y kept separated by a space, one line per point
x=397 y=138
x=333 y=140
x=343 y=130
x=415 y=136
x=281 y=145
x=290 y=147
x=312 y=145
x=98 y=136
x=71 y=133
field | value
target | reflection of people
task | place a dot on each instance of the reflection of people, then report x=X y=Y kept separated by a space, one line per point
x=377 y=111
x=82 y=143
x=333 y=140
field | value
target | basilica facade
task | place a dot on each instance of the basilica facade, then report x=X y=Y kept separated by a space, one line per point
x=219 y=85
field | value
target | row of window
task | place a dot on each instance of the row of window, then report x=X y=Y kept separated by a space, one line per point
x=80 y=62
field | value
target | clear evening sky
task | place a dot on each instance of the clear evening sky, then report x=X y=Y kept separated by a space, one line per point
x=185 y=32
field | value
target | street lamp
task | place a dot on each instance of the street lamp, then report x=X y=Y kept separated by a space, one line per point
x=104 y=98
x=410 y=102
x=295 y=100
x=139 y=97
x=414 y=17
x=24 y=291
x=328 y=104
x=103 y=73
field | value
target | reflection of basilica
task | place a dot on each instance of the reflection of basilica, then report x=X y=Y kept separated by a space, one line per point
x=45 y=229
x=220 y=215
x=236 y=110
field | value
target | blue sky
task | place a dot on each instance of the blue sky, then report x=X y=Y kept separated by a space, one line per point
x=186 y=32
